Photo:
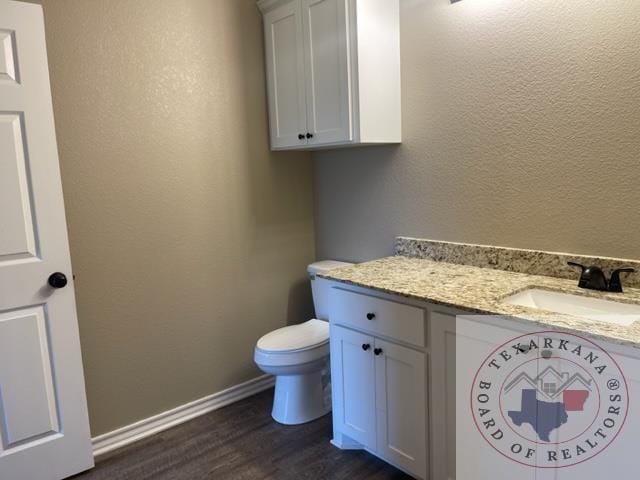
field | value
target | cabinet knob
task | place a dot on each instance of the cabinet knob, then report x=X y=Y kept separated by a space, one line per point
x=309 y=135
x=377 y=351
x=366 y=346
x=371 y=316
x=300 y=136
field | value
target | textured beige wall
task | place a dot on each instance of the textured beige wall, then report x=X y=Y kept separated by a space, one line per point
x=521 y=124
x=189 y=238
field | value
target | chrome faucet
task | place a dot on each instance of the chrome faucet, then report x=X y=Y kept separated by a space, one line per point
x=593 y=278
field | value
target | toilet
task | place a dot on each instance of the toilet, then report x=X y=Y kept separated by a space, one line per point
x=298 y=356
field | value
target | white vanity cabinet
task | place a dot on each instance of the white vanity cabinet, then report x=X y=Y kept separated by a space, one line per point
x=401 y=404
x=402 y=377
x=379 y=379
x=333 y=72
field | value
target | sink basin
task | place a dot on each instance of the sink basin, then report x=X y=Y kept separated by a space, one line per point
x=586 y=307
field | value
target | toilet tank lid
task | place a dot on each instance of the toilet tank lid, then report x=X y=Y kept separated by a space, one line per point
x=325 y=266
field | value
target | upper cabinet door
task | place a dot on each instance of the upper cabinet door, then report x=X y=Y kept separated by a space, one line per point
x=285 y=76
x=325 y=25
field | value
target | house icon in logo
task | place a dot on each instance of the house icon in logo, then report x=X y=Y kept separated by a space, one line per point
x=550 y=383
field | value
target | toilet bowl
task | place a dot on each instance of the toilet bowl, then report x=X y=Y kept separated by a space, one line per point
x=298 y=356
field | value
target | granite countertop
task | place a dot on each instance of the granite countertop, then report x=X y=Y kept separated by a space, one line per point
x=480 y=291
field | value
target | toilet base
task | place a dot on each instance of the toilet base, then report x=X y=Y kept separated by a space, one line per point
x=300 y=398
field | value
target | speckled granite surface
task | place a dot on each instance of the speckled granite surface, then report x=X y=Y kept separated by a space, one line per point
x=532 y=262
x=480 y=290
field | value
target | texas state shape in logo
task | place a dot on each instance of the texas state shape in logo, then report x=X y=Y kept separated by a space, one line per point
x=549 y=399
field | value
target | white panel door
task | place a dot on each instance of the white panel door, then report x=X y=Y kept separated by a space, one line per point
x=401 y=406
x=44 y=430
x=325 y=26
x=285 y=76
x=353 y=385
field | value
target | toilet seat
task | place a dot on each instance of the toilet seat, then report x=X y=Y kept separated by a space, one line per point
x=295 y=337
x=294 y=345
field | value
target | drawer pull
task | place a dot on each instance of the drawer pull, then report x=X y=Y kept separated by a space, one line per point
x=371 y=316
x=377 y=351
x=366 y=346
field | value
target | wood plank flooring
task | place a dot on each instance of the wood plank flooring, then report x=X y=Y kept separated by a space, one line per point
x=240 y=442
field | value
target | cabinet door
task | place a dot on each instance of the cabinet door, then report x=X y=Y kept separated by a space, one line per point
x=285 y=76
x=458 y=348
x=328 y=89
x=611 y=453
x=401 y=406
x=353 y=385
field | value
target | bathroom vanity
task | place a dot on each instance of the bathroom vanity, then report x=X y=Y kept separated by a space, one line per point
x=407 y=337
x=379 y=377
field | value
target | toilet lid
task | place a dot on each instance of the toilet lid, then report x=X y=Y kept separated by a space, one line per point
x=296 y=337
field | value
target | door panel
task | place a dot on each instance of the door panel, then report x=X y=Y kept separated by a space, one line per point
x=27 y=399
x=353 y=385
x=285 y=76
x=401 y=406
x=43 y=423
x=17 y=240
x=325 y=26
x=8 y=72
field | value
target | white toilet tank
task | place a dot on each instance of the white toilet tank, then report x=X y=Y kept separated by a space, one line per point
x=320 y=286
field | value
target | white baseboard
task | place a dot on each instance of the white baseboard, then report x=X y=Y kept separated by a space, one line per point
x=152 y=425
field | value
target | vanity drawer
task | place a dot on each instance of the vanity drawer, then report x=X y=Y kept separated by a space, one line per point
x=371 y=314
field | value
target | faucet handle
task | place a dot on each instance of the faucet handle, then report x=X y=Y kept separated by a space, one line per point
x=615 y=285
x=579 y=265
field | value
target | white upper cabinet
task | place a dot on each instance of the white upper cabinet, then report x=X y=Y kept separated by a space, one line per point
x=333 y=72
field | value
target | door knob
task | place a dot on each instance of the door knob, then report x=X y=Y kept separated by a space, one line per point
x=309 y=135
x=377 y=351
x=300 y=136
x=371 y=316
x=57 y=280
x=366 y=346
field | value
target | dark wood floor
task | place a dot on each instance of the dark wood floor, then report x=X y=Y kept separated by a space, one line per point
x=241 y=442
